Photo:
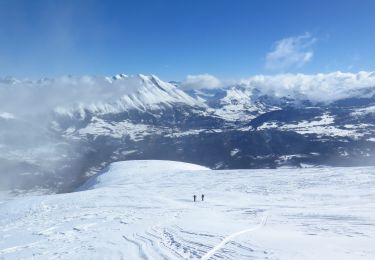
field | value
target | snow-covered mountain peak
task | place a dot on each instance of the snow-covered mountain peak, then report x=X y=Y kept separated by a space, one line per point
x=119 y=76
x=9 y=81
x=127 y=92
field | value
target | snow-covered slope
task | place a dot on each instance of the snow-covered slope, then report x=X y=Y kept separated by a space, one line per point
x=138 y=92
x=119 y=173
x=144 y=210
x=238 y=103
x=242 y=104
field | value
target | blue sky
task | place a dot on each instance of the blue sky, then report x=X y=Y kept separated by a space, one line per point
x=174 y=38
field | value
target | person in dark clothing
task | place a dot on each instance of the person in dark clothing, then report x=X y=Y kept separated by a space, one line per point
x=202 y=197
x=195 y=197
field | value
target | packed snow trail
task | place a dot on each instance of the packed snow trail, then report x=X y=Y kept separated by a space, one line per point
x=232 y=236
x=145 y=210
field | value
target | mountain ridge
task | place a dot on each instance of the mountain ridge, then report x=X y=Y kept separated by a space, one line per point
x=93 y=121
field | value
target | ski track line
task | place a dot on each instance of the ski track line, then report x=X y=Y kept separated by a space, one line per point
x=232 y=236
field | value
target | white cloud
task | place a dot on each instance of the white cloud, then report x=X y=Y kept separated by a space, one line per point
x=202 y=81
x=316 y=87
x=6 y=115
x=292 y=52
x=320 y=87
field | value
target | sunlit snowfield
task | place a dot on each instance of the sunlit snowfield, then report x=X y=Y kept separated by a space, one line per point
x=144 y=210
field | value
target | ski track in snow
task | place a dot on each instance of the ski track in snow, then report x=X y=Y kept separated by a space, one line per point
x=232 y=236
x=144 y=210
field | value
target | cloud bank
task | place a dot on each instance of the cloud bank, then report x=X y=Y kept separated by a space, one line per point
x=320 y=87
x=291 y=52
x=201 y=81
x=316 y=87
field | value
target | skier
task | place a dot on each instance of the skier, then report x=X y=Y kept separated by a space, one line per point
x=202 y=197
x=195 y=197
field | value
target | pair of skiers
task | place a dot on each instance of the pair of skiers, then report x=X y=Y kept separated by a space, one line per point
x=195 y=197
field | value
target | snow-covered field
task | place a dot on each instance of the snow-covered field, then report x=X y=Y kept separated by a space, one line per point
x=144 y=210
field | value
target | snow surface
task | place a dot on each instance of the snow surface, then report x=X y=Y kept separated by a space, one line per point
x=364 y=111
x=144 y=210
x=321 y=126
x=238 y=105
x=99 y=127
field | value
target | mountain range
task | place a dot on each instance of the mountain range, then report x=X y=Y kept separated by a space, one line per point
x=93 y=121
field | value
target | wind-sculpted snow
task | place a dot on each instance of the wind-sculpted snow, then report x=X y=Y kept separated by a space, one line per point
x=144 y=210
